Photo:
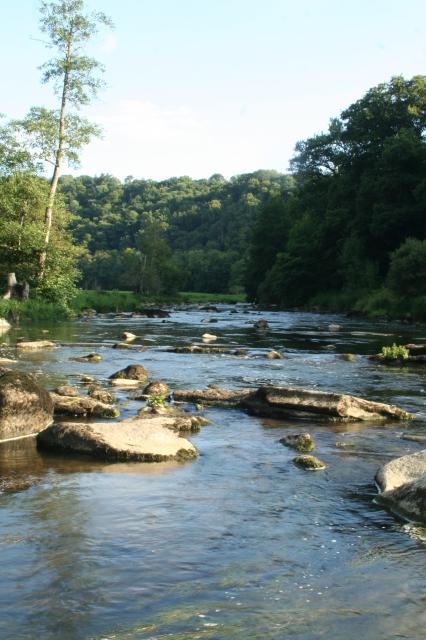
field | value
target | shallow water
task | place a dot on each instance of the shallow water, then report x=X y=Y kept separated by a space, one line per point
x=238 y=543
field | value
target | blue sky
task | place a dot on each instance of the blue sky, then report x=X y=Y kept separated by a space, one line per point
x=196 y=87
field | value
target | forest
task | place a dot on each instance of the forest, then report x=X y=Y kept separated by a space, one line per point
x=344 y=230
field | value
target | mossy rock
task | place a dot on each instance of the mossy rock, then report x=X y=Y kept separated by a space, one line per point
x=90 y=357
x=302 y=442
x=309 y=463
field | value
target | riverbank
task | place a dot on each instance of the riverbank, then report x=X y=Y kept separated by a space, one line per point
x=104 y=302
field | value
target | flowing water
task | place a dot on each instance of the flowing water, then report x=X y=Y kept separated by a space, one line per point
x=238 y=543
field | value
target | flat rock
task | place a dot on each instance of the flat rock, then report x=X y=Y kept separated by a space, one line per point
x=7 y=361
x=25 y=407
x=34 y=344
x=129 y=440
x=125 y=382
x=290 y=402
x=213 y=396
x=397 y=472
x=82 y=406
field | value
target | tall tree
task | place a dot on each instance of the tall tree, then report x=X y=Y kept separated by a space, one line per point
x=59 y=134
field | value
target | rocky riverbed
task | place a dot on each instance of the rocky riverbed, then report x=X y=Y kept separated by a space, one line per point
x=239 y=540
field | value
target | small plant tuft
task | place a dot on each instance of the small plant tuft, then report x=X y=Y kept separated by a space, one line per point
x=156 y=401
x=395 y=352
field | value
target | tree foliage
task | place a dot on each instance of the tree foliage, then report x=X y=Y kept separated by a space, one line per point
x=361 y=192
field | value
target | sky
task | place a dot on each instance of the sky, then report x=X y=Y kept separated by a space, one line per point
x=197 y=87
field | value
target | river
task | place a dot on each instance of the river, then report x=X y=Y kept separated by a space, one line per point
x=239 y=543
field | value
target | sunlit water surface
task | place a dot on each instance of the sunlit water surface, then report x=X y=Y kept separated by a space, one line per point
x=238 y=543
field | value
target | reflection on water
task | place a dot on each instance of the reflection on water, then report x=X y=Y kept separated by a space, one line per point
x=236 y=544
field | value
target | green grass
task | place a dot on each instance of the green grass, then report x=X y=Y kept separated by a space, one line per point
x=35 y=310
x=199 y=297
x=104 y=301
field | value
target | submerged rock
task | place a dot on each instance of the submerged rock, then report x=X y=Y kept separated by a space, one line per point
x=34 y=344
x=25 y=408
x=90 y=357
x=82 y=406
x=131 y=372
x=199 y=348
x=261 y=324
x=309 y=463
x=300 y=441
x=129 y=440
x=334 y=327
x=348 y=357
x=274 y=355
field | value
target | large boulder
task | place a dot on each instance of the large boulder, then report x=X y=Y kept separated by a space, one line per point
x=130 y=440
x=407 y=501
x=397 y=472
x=403 y=485
x=25 y=408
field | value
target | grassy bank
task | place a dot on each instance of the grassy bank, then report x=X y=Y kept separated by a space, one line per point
x=33 y=310
x=103 y=302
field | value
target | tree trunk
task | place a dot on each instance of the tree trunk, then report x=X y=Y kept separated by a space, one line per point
x=48 y=216
x=15 y=289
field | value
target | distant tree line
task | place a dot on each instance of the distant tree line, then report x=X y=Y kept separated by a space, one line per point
x=174 y=235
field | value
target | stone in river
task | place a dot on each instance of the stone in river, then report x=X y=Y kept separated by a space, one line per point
x=66 y=390
x=300 y=441
x=274 y=355
x=82 y=406
x=130 y=440
x=397 y=472
x=90 y=357
x=25 y=408
x=131 y=372
x=34 y=344
x=309 y=463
